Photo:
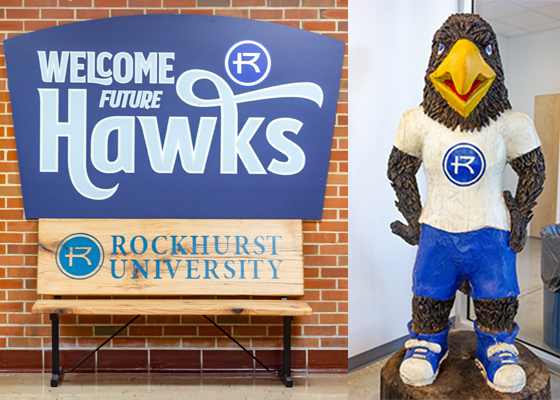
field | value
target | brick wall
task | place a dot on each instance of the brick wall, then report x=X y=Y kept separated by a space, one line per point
x=320 y=341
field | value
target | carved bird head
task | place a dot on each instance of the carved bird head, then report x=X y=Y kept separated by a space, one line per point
x=464 y=82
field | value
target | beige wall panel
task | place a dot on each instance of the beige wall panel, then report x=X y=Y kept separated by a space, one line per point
x=547 y=122
x=288 y=259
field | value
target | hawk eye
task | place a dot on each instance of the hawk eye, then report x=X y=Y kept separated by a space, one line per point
x=489 y=49
x=440 y=48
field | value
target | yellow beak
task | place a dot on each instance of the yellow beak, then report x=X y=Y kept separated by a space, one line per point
x=463 y=78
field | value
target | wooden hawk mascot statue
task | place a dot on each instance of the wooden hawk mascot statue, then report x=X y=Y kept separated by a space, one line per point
x=468 y=231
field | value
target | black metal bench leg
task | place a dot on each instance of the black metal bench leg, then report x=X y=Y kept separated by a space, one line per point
x=56 y=374
x=286 y=373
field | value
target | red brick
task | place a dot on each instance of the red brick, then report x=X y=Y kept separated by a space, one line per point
x=91 y=14
x=334 y=318
x=128 y=342
x=201 y=12
x=164 y=319
x=250 y=330
x=334 y=14
x=266 y=14
x=179 y=330
x=11 y=307
x=309 y=272
x=145 y=330
x=23 y=295
x=320 y=260
x=212 y=330
x=74 y=3
x=301 y=14
x=336 y=202
x=15 y=203
x=11 y=330
x=22 y=14
x=225 y=342
x=343 y=26
x=327 y=360
x=179 y=3
x=323 y=306
x=11 y=284
x=110 y=3
x=94 y=319
x=164 y=342
x=327 y=26
x=334 y=249
x=30 y=260
x=226 y=360
x=122 y=360
x=334 y=295
x=317 y=3
x=37 y=331
x=233 y=13
x=309 y=226
x=11 y=3
x=293 y=24
x=305 y=342
x=11 y=25
x=11 y=260
x=25 y=319
x=162 y=11
x=333 y=226
x=36 y=25
x=144 y=3
x=22 y=248
x=175 y=361
x=76 y=330
x=21 y=360
x=199 y=342
x=248 y=3
x=319 y=237
x=283 y=3
x=310 y=249
x=320 y=284
x=22 y=226
x=40 y=3
x=213 y=3
x=342 y=3
x=122 y=13
x=11 y=237
x=267 y=342
x=57 y=13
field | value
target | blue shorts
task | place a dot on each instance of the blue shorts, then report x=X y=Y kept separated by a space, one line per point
x=483 y=257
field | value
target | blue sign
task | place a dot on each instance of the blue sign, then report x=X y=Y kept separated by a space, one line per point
x=464 y=164
x=79 y=256
x=173 y=116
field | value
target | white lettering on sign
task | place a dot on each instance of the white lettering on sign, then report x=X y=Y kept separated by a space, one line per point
x=235 y=141
x=104 y=68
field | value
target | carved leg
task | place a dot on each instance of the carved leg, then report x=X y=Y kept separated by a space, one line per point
x=495 y=315
x=430 y=315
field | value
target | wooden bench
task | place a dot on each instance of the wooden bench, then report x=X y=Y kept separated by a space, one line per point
x=68 y=266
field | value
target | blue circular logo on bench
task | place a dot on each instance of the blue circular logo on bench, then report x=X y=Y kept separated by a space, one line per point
x=79 y=256
x=464 y=164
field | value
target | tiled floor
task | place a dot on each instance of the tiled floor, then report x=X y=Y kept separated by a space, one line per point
x=364 y=383
x=172 y=386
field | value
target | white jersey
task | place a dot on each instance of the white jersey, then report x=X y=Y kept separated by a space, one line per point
x=464 y=169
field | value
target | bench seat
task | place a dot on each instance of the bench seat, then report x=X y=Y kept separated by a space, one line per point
x=173 y=307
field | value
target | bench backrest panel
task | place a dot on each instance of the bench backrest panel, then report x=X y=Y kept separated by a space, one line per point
x=170 y=257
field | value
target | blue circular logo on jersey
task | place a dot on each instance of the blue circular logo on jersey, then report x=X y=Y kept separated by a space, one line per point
x=79 y=256
x=248 y=63
x=464 y=164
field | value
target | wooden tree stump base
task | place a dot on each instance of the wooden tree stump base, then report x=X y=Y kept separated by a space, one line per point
x=460 y=378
